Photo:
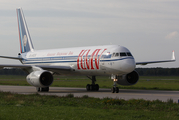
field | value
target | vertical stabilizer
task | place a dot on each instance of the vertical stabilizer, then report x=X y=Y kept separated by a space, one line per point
x=24 y=36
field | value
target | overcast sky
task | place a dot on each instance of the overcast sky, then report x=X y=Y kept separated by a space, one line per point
x=148 y=28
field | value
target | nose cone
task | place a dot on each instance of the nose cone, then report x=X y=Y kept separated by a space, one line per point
x=128 y=65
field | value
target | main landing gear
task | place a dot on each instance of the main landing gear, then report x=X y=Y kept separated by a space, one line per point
x=93 y=86
x=39 y=89
x=114 y=89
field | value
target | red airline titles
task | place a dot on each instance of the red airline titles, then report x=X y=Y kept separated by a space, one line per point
x=88 y=63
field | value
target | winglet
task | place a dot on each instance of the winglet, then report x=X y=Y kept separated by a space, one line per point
x=173 y=56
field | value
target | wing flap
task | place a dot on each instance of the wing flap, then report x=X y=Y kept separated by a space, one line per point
x=52 y=68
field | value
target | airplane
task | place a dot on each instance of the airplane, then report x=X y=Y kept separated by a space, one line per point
x=107 y=60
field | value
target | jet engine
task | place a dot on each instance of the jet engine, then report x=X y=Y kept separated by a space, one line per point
x=40 y=78
x=128 y=79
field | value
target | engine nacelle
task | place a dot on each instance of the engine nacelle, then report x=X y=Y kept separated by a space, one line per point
x=40 y=78
x=128 y=79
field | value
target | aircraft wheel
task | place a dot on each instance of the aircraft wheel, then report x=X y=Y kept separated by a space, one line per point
x=113 y=89
x=117 y=90
x=92 y=87
x=38 y=89
x=88 y=87
x=97 y=87
x=46 y=89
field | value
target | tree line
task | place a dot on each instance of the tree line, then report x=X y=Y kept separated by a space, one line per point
x=141 y=71
x=13 y=71
x=158 y=71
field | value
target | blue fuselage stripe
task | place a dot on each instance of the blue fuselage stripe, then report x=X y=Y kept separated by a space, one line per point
x=64 y=60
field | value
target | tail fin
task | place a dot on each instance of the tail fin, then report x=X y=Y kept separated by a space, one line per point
x=24 y=36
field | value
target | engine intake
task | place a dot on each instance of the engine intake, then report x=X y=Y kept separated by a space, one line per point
x=128 y=79
x=41 y=78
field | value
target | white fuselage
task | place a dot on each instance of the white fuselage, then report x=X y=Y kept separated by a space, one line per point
x=94 y=60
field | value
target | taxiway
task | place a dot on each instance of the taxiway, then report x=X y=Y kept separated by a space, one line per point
x=102 y=93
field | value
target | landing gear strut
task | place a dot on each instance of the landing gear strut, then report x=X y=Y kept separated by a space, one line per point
x=114 y=88
x=39 y=89
x=93 y=86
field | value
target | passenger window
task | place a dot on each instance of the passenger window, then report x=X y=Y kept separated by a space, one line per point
x=123 y=54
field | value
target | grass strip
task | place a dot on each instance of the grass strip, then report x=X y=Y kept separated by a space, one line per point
x=35 y=106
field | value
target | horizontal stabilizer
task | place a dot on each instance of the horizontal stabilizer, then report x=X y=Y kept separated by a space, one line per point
x=16 y=58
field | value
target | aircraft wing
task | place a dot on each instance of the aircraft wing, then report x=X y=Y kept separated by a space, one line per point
x=55 y=69
x=150 y=62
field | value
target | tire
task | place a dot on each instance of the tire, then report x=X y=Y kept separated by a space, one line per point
x=113 y=89
x=97 y=87
x=46 y=89
x=88 y=87
x=38 y=89
x=91 y=87
x=117 y=90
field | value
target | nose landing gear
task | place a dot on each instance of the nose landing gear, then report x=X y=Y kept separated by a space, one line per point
x=114 y=89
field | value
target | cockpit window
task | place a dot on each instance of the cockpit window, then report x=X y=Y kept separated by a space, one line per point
x=113 y=55
x=117 y=54
x=123 y=54
x=129 y=54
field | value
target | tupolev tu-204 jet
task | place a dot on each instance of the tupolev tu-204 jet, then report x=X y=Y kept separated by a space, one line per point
x=107 y=60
